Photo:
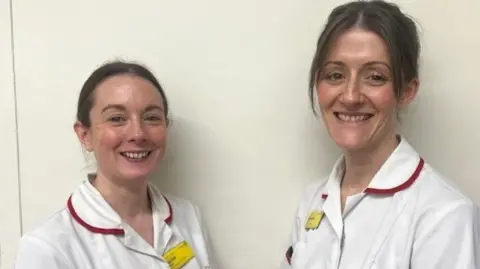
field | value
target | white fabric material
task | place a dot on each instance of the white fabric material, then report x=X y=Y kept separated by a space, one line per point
x=429 y=224
x=61 y=242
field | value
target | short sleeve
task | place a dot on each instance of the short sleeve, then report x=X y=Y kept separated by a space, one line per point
x=35 y=253
x=447 y=238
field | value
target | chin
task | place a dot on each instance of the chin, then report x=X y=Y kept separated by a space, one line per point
x=350 y=142
x=135 y=174
x=350 y=146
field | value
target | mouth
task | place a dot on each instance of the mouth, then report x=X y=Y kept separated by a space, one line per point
x=353 y=117
x=136 y=155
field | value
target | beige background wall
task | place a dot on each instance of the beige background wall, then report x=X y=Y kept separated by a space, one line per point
x=10 y=223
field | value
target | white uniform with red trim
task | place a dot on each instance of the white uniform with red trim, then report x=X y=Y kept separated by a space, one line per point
x=409 y=217
x=89 y=234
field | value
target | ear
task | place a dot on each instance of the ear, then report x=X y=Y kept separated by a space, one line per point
x=409 y=94
x=83 y=134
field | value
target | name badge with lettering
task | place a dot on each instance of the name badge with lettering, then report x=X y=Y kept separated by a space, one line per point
x=179 y=255
x=314 y=220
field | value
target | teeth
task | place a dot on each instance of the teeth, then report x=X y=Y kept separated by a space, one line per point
x=351 y=118
x=136 y=155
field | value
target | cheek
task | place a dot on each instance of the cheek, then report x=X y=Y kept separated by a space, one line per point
x=385 y=101
x=158 y=135
x=109 y=138
x=325 y=94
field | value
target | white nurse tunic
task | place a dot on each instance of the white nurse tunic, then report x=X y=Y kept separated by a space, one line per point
x=409 y=217
x=89 y=234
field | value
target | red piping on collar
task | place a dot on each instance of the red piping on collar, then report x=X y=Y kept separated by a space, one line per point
x=168 y=219
x=398 y=188
x=111 y=231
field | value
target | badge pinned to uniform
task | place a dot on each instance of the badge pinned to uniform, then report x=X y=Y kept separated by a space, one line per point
x=314 y=220
x=179 y=255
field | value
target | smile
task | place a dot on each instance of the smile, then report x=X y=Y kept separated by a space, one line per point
x=137 y=155
x=357 y=117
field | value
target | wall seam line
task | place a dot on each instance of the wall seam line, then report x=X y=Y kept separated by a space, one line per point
x=17 y=136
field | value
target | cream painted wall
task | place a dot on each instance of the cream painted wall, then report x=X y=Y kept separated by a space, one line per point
x=10 y=224
x=244 y=142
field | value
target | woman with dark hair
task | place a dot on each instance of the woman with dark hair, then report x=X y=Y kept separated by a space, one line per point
x=117 y=219
x=382 y=206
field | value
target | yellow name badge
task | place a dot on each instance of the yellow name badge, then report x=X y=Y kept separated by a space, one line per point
x=179 y=255
x=314 y=220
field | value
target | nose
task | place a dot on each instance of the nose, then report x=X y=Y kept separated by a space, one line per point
x=136 y=131
x=352 y=95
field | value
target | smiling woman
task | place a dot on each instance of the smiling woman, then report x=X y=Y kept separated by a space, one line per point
x=128 y=108
x=382 y=206
x=117 y=219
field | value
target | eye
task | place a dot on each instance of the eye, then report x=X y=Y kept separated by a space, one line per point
x=116 y=119
x=377 y=79
x=334 y=76
x=154 y=118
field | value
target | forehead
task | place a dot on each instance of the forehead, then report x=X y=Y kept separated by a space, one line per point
x=359 y=46
x=127 y=90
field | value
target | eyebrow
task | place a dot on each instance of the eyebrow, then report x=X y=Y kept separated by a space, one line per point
x=153 y=107
x=113 y=106
x=123 y=108
x=365 y=64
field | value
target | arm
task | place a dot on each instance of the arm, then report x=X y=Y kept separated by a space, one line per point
x=35 y=253
x=294 y=237
x=448 y=238
x=212 y=261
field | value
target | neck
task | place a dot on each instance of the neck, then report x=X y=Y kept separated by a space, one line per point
x=361 y=166
x=128 y=200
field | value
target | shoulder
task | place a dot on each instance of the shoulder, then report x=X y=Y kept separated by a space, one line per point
x=436 y=190
x=446 y=226
x=440 y=201
x=44 y=246
x=54 y=228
